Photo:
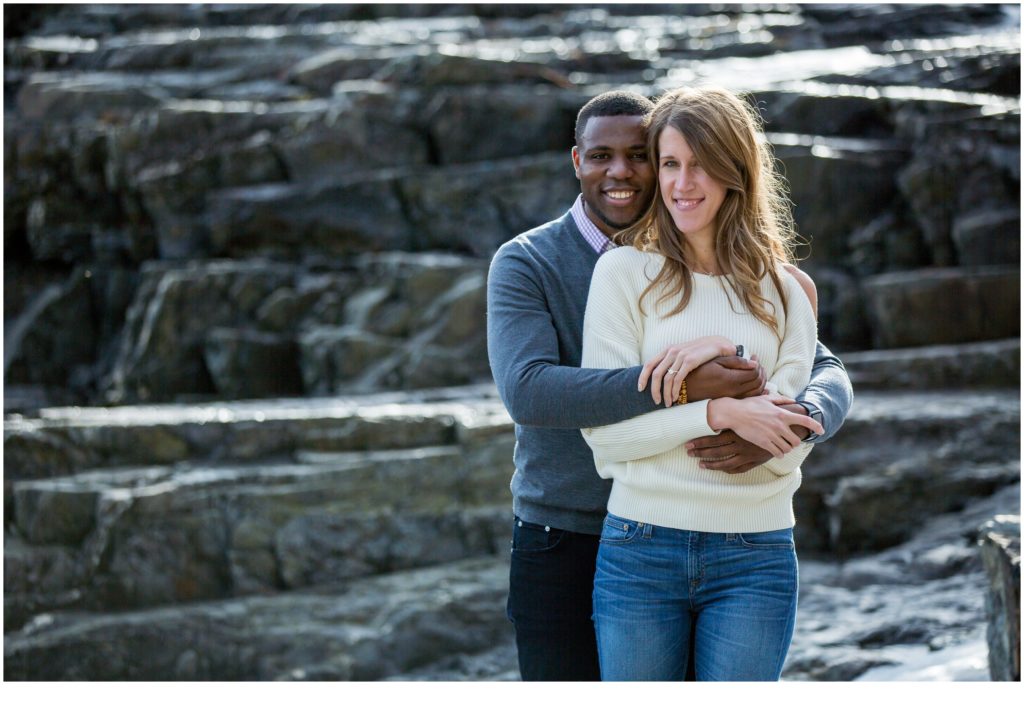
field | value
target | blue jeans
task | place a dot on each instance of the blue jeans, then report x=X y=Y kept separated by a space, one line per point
x=735 y=593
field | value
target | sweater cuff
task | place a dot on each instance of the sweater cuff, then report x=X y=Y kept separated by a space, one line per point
x=693 y=423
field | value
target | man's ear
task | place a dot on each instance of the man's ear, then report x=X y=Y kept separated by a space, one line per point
x=576 y=161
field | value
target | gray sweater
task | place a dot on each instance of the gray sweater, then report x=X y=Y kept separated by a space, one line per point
x=536 y=298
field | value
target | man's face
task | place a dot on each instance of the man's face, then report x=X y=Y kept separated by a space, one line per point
x=616 y=177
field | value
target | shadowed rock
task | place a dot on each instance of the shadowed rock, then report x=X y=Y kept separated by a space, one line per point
x=53 y=337
x=834 y=183
x=987 y=237
x=346 y=633
x=982 y=364
x=941 y=306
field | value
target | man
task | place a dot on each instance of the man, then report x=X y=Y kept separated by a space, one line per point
x=536 y=298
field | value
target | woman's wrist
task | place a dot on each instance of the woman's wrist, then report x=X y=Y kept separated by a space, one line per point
x=720 y=413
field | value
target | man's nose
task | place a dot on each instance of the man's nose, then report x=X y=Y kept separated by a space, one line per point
x=620 y=168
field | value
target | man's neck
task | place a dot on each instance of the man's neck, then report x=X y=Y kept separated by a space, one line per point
x=601 y=225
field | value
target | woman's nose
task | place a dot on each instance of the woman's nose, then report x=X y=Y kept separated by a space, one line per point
x=681 y=181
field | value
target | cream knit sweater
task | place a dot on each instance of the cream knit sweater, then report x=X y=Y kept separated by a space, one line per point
x=654 y=480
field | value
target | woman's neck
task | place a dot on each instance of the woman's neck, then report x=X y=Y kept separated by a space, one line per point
x=700 y=257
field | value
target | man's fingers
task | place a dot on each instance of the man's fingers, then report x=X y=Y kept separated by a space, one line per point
x=724 y=438
x=735 y=362
x=745 y=467
x=724 y=463
x=714 y=452
x=751 y=388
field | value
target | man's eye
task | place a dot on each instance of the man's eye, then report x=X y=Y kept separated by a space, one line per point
x=599 y=156
x=640 y=156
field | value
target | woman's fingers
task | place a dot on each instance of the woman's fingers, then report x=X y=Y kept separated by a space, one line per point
x=670 y=382
x=648 y=368
x=807 y=422
x=658 y=378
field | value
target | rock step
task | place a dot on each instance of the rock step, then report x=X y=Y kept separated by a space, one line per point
x=253 y=515
x=981 y=364
x=926 y=594
x=127 y=538
x=848 y=109
x=362 y=630
x=63 y=441
x=943 y=306
x=876 y=481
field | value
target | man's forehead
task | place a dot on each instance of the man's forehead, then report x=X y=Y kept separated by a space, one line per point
x=618 y=130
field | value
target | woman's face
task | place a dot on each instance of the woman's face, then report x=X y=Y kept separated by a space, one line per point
x=691 y=196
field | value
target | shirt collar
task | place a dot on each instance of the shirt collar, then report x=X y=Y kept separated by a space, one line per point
x=593 y=236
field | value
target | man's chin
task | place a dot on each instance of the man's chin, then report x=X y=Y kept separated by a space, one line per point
x=617 y=225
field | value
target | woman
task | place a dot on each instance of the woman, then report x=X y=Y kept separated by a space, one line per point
x=690 y=553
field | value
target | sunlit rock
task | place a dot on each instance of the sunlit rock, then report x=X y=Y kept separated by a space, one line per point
x=1000 y=551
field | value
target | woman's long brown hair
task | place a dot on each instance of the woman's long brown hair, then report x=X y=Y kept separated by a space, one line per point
x=754 y=230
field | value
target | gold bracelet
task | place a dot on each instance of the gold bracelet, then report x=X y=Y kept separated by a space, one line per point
x=682 y=394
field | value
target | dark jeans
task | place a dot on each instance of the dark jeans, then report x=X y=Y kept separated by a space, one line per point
x=551 y=586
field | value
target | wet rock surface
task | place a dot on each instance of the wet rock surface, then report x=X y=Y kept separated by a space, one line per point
x=254 y=238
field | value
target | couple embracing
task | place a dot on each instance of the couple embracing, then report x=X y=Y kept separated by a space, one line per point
x=658 y=353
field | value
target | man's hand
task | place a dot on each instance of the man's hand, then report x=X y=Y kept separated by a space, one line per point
x=726 y=376
x=729 y=453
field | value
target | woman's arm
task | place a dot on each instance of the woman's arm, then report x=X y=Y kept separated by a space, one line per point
x=612 y=338
x=758 y=419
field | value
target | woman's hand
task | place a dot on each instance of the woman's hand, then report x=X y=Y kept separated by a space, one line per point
x=761 y=421
x=669 y=368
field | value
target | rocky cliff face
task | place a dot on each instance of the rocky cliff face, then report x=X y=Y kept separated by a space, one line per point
x=196 y=196
x=277 y=220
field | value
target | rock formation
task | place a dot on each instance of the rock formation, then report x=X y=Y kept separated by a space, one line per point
x=246 y=389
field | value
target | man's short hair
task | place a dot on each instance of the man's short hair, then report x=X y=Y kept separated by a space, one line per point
x=612 y=104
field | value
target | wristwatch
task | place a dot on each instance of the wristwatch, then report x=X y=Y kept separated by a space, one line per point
x=815 y=413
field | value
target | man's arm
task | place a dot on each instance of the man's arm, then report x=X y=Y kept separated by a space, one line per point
x=522 y=346
x=829 y=391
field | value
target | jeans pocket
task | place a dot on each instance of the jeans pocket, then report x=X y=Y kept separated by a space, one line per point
x=617 y=531
x=768 y=540
x=534 y=538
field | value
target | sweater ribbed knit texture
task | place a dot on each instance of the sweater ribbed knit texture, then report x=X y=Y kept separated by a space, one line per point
x=654 y=480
